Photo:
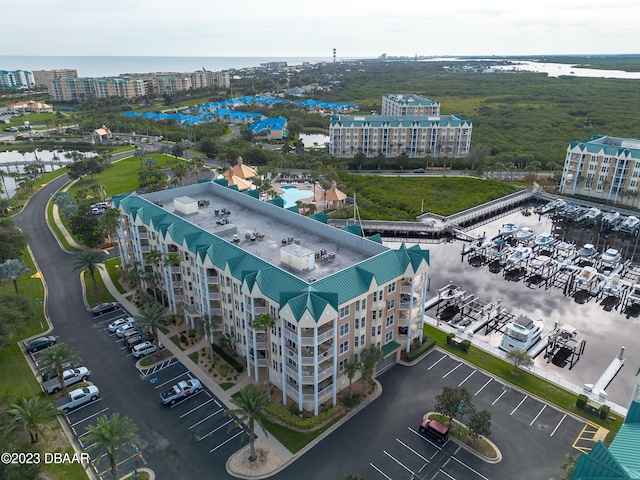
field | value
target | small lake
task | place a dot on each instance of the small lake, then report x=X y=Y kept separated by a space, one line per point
x=13 y=161
x=558 y=69
x=315 y=140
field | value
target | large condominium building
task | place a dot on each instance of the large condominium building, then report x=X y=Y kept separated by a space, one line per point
x=417 y=136
x=16 y=79
x=408 y=104
x=227 y=257
x=41 y=77
x=603 y=167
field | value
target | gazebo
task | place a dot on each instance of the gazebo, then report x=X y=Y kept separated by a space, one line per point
x=243 y=171
x=239 y=182
x=334 y=198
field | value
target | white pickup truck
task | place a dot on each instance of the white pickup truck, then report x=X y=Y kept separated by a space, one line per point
x=180 y=390
x=71 y=376
x=77 y=398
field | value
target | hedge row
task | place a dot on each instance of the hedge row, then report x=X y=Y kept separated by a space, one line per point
x=286 y=416
x=427 y=343
x=232 y=361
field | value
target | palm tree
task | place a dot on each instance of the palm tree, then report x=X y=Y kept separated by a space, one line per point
x=150 y=319
x=89 y=260
x=165 y=149
x=371 y=356
x=180 y=170
x=111 y=434
x=251 y=404
x=350 y=370
x=519 y=358
x=13 y=269
x=56 y=357
x=265 y=322
x=32 y=413
x=5 y=206
x=3 y=173
x=140 y=154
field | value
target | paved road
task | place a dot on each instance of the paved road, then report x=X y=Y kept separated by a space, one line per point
x=169 y=450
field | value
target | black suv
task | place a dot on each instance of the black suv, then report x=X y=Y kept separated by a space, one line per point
x=40 y=343
x=104 y=308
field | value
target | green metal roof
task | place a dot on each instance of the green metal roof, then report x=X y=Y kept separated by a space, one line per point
x=404 y=121
x=315 y=303
x=390 y=347
x=320 y=217
x=353 y=228
x=376 y=238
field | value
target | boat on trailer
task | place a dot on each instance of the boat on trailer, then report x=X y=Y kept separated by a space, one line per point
x=587 y=251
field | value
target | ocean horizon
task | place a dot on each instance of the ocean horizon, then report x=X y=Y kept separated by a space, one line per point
x=108 y=66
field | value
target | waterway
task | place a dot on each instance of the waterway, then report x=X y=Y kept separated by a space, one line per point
x=605 y=331
x=560 y=69
x=9 y=158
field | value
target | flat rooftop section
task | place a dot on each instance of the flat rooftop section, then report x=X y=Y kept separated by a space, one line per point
x=262 y=229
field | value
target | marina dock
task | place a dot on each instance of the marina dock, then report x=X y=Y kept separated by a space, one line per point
x=598 y=389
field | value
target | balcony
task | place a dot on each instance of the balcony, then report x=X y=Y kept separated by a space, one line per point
x=307 y=337
x=214 y=295
x=213 y=280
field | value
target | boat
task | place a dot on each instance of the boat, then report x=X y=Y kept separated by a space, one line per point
x=542 y=265
x=630 y=225
x=613 y=286
x=524 y=234
x=521 y=334
x=450 y=292
x=565 y=253
x=634 y=296
x=570 y=211
x=545 y=240
x=499 y=248
x=610 y=220
x=592 y=215
x=587 y=251
x=519 y=255
x=611 y=257
x=480 y=244
x=508 y=229
x=586 y=277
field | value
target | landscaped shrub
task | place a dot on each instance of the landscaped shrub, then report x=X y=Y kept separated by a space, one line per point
x=604 y=411
x=465 y=346
x=192 y=333
x=581 y=402
x=450 y=337
x=352 y=399
x=286 y=416
x=418 y=351
x=232 y=361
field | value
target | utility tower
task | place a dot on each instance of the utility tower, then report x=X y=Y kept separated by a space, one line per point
x=334 y=66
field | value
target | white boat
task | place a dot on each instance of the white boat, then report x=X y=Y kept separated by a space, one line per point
x=521 y=334
x=634 y=296
x=611 y=257
x=499 y=248
x=480 y=244
x=592 y=215
x=542 y=265
x=508 y=229
x=587 y=251
x=544 y=240
x=610 y=220
x=450 y=292
x=580 y=214
x=565 y=253
x=524 y=234
x=519 y=255
x=586 y=277
x=613 y=286
x=630 y=225
x=570 y=211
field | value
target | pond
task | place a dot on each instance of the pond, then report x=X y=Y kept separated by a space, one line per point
x=315 y=140
x=13 y=161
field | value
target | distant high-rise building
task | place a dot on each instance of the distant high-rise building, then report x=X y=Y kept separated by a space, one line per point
x=16 y=79
x=41 y=77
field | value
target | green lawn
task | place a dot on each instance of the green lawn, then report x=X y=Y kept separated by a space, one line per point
x=112 y=266
x=293 y=440
x=100 y=294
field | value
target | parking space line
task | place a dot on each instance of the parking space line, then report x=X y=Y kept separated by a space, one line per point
x=90 y=416
x=425 y=439
x=452 y=370
x=217 y=403
x=557 y=426
x=215 y=430
x=468 y=467
x=536 y=417
x=169 y=381
x=206 y=418
x=398 y=462
x=482 y=388
x=83 y=407
x=437 y=362
x=518 y=406
x=196 y=408
x=445 y=473
x=186 y=398
x=411 y=450
x=468 y=377
x=499 y=397
x=226 y=441
x=380 y=472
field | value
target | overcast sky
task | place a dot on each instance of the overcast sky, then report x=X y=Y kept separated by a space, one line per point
x=356 y=28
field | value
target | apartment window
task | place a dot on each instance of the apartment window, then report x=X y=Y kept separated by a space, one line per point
x=228 y=281
x=363 y=322
x=388 y=337
x=390 y=320
x=228 y=298
x=373 y=331
x=635 y=174
x=362 y=340
x=391 y=288
x=357 y=324
x=344 y=347
x=355 y=341
x=274 y=347
x=237 y=305
x=235 y=288
x=357 y=306
x=344 y=329
x=391 y=305
x=364 y=304
x=374 y=315
x=344 y=311
x=375 y=296
x=273 y=310
x=355 y=357
x=379 y=329
x=342 y=364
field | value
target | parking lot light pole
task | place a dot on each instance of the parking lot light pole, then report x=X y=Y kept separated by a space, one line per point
x=461 y=412
x=134 y=475
x=38 y=303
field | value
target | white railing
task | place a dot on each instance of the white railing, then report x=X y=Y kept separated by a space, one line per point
x=213 y=280
x=259 y=310
x=214 y=296
x=325 y=373
x=293 y=391
x=290 y=335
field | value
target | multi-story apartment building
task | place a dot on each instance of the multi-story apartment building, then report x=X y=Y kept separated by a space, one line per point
x=603 y=167
x=210 y=79
x=70 y=89
x=226 y=257
x=168 y=83
x=408 y=104
x=41 y=77
x=417 y=136
x=16 y=79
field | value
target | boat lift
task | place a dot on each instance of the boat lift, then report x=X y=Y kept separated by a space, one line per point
x=563 y=347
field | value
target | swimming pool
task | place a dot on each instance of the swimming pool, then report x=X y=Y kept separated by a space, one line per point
x=291 y=195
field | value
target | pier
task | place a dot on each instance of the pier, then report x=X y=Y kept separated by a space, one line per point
x=605 y=379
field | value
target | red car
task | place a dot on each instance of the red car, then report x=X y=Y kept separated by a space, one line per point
x=138 y=339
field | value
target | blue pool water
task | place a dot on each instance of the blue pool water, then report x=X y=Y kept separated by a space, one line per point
x=291 y=195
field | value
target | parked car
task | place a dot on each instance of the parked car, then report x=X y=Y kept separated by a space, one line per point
x=49 y=373
x=138 y=339
x=145 y=348
x=127 y=326
x=130 y=333
x=435 y=430
x=70 y=377
x=41 y=343
x=77 y=398
x=120 y=322
x=180 y=391
x=104 y=308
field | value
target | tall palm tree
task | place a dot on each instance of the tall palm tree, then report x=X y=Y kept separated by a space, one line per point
x=140 y=154
x=251 y=404
x=207 y=327
x=265 y=322
x=350 y=370
x=55 y=357
x=32 y=414
x=13 y=269
x=110 y=434
x=89 y=260
x=151 y=318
